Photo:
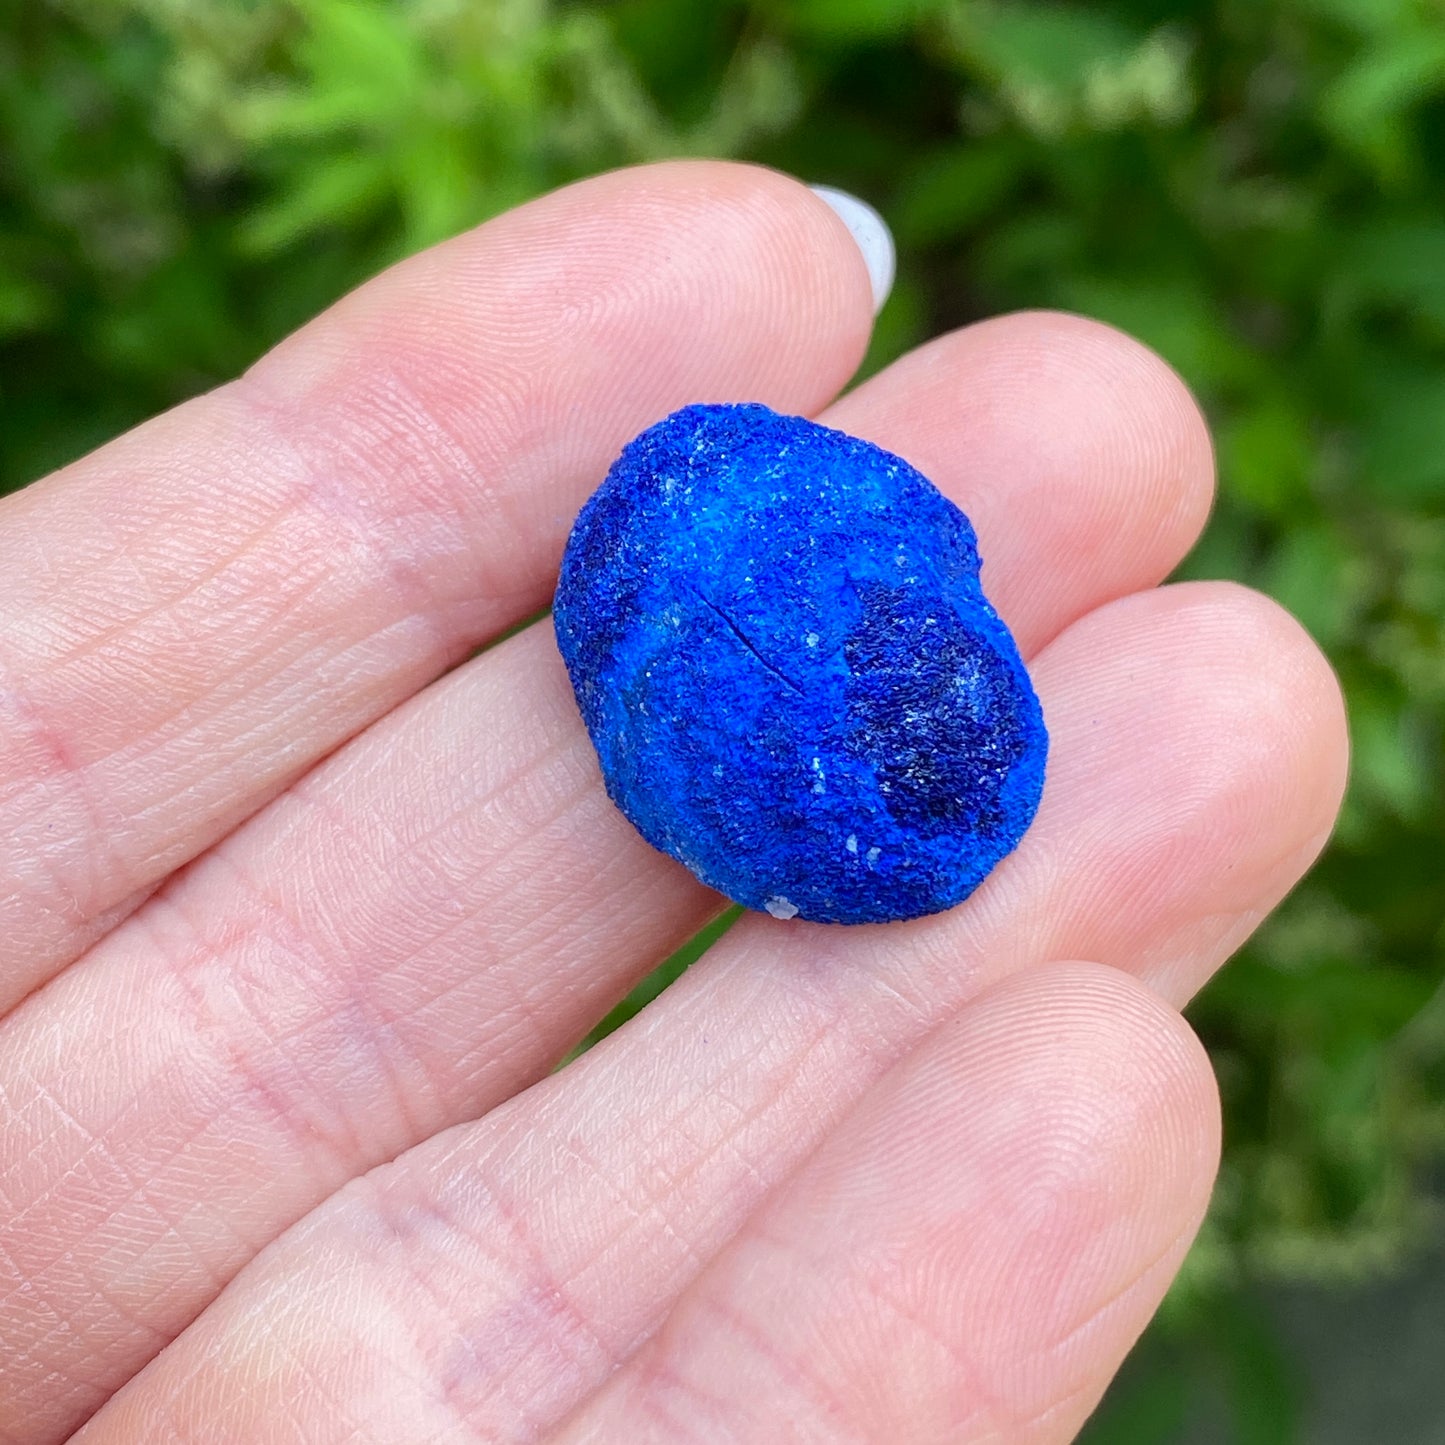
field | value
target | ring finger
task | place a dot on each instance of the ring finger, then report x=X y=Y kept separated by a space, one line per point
x=502 y=1271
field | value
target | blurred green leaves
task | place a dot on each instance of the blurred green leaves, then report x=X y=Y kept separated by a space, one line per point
x=1256 y=190
x=1055 y=67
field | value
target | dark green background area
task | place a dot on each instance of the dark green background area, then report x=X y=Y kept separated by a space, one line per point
x=1254 y=188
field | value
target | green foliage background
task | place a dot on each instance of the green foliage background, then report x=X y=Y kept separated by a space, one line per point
x=1254 y=188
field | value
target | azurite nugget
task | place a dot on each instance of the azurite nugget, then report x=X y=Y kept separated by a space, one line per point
x=789 y=670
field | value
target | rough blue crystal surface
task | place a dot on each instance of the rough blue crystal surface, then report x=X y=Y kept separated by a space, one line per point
x=790 y=673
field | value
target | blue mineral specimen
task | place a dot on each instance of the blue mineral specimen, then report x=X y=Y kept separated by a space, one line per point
x=789 y=671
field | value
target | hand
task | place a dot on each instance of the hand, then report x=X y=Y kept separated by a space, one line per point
x=294 y=932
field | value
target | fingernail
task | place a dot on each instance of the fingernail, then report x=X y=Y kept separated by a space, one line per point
x=871 y=232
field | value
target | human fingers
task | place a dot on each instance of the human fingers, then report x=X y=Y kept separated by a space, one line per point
x=426 y=923
x=509 y=1266
x=198 y=611
x=969 y=1255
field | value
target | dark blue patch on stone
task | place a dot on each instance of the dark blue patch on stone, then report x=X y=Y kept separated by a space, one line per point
x=790 y=673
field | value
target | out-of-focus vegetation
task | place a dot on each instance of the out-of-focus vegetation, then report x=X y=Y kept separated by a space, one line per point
x=1256 y=189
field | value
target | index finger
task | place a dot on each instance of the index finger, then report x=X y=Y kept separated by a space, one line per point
x=197 y=612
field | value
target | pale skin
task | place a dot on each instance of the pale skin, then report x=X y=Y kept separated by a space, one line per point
x=295 y=928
